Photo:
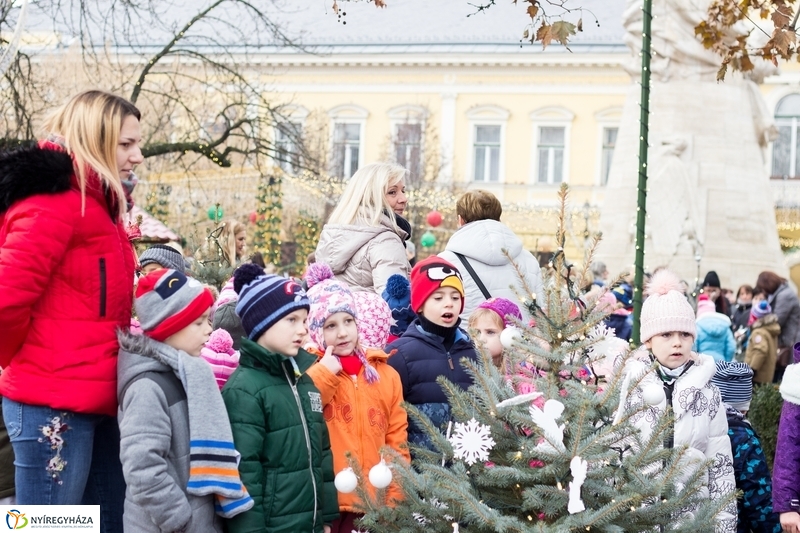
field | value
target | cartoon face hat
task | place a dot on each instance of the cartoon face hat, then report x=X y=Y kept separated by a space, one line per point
x=431 y=274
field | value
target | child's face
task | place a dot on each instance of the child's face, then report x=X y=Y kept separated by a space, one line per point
x=286 y=335
x=150 y=267
x=489 y=337
x=193 y=337
x=671 y=349
x=442 y=307
x=341 y=332
x=757 y=298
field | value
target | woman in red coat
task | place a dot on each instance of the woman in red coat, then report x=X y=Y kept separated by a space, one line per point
x=66 y=280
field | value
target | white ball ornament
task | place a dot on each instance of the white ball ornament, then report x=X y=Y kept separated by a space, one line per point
x=346 y=481
x=653 y=394
x=380 y=475
x=507 y=337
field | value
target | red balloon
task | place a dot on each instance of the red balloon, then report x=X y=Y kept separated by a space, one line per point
x=253 y=217
x=434 y=218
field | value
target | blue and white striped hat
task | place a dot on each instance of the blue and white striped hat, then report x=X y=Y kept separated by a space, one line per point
x=266 y=299
x=735 y=383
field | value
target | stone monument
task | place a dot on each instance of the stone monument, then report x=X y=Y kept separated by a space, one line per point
x=709 y=202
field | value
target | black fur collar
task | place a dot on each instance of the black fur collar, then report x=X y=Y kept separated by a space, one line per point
x=31 y=170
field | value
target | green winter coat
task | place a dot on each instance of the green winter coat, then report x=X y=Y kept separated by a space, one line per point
x=279 y=430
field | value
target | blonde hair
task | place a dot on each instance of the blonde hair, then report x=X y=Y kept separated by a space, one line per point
x=364 y=199
x=478 y=205
x=90 y=124
x=227 y=240
x=480 y=312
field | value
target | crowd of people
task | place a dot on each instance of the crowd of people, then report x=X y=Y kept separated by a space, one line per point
x=238 y=410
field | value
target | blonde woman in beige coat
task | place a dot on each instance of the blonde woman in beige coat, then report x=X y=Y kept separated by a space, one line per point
x=362 y=242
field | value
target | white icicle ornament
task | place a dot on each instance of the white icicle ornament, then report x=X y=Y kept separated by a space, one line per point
x=380 y=475
x=652 y=394
x=346 y=481
x=508 y=336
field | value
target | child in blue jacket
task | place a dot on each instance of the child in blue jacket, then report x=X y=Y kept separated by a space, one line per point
x=433 y=345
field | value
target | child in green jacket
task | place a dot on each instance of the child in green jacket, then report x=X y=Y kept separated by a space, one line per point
x=276 y=412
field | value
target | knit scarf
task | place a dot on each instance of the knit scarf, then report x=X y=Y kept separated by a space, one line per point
x=213 y=460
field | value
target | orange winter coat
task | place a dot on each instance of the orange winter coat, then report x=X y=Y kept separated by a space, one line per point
x=362 y=418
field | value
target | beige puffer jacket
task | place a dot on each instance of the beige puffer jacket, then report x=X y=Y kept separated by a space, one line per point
x=363 y=256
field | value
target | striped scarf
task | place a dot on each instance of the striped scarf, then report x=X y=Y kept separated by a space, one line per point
x=213 y=459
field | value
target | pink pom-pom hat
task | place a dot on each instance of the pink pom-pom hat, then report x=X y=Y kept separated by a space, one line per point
x=666 y=308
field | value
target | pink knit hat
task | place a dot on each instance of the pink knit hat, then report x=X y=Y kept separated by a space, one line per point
x=503 y=307
x=666 y=308
x=327 y=297
x=705 y=306
x=374 y=319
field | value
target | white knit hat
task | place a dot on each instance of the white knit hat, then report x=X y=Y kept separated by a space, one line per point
x=666 y=308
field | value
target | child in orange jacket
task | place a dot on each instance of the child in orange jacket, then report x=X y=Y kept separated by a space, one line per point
x=361 y=393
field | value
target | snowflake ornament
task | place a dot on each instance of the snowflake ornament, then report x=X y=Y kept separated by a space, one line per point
x=605 y=343
x=472 y=441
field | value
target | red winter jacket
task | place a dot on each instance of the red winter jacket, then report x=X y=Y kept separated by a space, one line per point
x=66 y=285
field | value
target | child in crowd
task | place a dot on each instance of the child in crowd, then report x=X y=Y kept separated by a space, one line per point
x=225 y=316
x=161 y=256
x=762 y=345
x=398 y=295
x=620 y=319
x=433 y=345
x=489 y=320
x=668 y=331
x=219 y=353
x=735 y=384
x=714 y=335
x=786 y=467
x=276 y=412
x=174 y=429
x=361 y=394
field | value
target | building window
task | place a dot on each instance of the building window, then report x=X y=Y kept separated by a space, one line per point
x=609 y=142
x=551 y=154
x=288 y=138
x=408 y=149
x=487 y=153
x=346 y=148
x=785 y=149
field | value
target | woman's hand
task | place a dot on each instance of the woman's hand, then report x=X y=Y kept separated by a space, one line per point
x=790 y=522
x=326 y=529
x=330 y=361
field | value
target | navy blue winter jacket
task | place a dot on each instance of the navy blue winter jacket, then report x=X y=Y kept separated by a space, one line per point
x=752 y=478
x=420 y=358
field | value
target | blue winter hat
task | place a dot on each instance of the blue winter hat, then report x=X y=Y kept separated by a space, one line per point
x=624 y=294
x=265 y=299
x=735 y=383
x=398 y=295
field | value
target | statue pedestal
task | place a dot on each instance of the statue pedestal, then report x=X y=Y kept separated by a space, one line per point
x=708 y=184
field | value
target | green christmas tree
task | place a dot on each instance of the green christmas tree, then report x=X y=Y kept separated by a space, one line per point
x=268 y=223
x=546 y=444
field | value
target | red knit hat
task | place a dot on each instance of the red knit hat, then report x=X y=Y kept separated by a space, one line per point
x=167 y=301
x=429 y=275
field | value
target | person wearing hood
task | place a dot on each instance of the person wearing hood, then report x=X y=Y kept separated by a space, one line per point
x=786 y=306
x=363 y=241
x=714 y=335
x=762 y=349
x=486 y=270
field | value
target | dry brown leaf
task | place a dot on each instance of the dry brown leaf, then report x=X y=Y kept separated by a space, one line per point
x=544 y=34
x=335 y=7
x=380 y=3
x=782 y=40
x=533 y=10
x=579 y=26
